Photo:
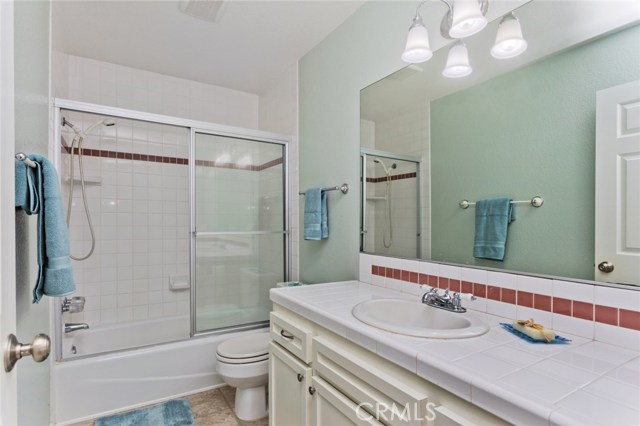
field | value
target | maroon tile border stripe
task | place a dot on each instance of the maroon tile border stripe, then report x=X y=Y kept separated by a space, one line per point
x=102 y=153
x=558 y=305
x=393 y=177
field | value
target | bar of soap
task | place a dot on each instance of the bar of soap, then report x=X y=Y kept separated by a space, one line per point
x=535 y=331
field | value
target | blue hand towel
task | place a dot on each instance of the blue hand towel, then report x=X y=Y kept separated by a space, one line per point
x=37 y=192
x=316 y=223
x=492 y=218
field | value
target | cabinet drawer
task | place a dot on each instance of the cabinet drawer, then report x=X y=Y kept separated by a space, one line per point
x=295 y=338
x=382 y=389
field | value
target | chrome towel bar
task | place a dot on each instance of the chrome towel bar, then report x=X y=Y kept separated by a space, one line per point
x=344 y=188
x=21 y=156
x=536 y=201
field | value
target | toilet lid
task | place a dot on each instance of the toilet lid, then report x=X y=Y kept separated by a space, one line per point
x=246 y=346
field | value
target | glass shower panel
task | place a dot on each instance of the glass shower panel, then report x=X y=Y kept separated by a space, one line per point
x=239 y=229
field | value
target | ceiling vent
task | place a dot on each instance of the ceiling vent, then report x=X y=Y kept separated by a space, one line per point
x=207 y=10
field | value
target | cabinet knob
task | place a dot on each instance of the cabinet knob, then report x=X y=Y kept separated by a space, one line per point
x=300 y=377
x=312 y=390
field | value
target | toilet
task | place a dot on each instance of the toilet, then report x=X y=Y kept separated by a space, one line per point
x=243 y=363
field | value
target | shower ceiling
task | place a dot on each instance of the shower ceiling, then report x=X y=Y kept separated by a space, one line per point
x=250 y=44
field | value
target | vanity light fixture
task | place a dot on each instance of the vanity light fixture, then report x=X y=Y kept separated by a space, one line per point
x=457 y=61
x=463 y=18
x=509 y=42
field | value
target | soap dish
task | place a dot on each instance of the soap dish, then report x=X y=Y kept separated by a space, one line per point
x=510 y=328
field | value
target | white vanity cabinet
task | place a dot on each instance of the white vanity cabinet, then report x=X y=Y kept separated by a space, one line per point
x=333 y=382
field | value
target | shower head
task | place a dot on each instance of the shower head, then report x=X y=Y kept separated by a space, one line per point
x=104 y=122
x=386 y=170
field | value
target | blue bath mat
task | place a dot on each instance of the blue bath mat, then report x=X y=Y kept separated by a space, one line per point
x=171 y=413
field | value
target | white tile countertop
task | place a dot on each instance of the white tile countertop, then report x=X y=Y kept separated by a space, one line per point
x=584 y=382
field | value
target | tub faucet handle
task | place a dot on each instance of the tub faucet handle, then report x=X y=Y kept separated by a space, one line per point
x=73 y=305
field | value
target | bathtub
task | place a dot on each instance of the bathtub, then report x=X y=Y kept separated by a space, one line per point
x=95 y=386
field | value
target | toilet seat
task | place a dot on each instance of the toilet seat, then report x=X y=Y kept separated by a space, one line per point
x=244 y=349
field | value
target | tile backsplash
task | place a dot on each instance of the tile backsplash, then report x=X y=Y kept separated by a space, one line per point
x=607 y=314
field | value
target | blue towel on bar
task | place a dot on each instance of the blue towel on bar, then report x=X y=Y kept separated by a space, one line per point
x=37 y=192
x=492 y=218
x=315 y=214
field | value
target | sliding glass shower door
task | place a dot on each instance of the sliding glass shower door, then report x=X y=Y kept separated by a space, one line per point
x=239 y=237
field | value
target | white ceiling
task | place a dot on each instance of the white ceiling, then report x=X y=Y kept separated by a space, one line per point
x=250 y=44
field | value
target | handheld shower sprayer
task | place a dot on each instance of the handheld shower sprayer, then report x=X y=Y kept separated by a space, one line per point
x=76 y=143
x=386 y=170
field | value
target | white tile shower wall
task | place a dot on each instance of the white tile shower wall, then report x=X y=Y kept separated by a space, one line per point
x=140 y=213
x=104 y=83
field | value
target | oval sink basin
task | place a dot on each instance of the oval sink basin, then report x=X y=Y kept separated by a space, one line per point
x=417 y=319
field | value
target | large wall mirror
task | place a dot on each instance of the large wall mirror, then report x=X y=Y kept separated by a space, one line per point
x=517 y=128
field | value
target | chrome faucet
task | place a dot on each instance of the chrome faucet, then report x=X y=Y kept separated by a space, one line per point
x=445 y=301
x=68 y=328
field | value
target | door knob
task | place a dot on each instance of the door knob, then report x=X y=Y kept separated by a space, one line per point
x=13 y=350
x=605 y=266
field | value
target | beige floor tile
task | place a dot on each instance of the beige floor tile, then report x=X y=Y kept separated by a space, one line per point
x=221 y=418
x=229 y=394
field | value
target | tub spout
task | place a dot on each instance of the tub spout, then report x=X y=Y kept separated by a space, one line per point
x=68 y=328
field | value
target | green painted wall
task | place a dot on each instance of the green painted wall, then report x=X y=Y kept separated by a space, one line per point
x=529 y=132
x=361 y=51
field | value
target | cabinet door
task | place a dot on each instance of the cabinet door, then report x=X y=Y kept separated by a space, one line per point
x=329 y=407
x=289 y=381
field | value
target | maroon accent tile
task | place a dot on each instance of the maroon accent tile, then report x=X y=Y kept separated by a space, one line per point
x=525 y=299
x=493 y=293
x=606 y=315
x=561 y=306
x=508 y=296
x=630 y=319
x=479 y=290
x=413 y=277
x=443 y=282
x=542 y=302
x=467 y=287
x=388 y=272
x=454 y=285
x=423 y=279
x=433 y=281
x=406 y=276
x=374 y=269
x=397 y=274
x=583 y=310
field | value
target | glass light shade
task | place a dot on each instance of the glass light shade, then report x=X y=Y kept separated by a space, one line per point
x=457 y=62
x=417 y=48
x=509 y=41
x=467 y=19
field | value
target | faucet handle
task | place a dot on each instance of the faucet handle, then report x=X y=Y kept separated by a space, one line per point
x=73 y=305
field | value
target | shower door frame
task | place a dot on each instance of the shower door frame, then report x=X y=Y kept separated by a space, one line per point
x=58 y=104
x=364 y=154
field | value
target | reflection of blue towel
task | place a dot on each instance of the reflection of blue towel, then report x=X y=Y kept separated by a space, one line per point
x=315 y=214
x=492 y=218
x=37 y=192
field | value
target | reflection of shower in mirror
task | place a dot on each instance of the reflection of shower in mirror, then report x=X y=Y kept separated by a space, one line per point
x=387 y=234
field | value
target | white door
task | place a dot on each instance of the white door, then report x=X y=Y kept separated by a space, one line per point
x=24 y=126
x=618 y=184
x=8 y=382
